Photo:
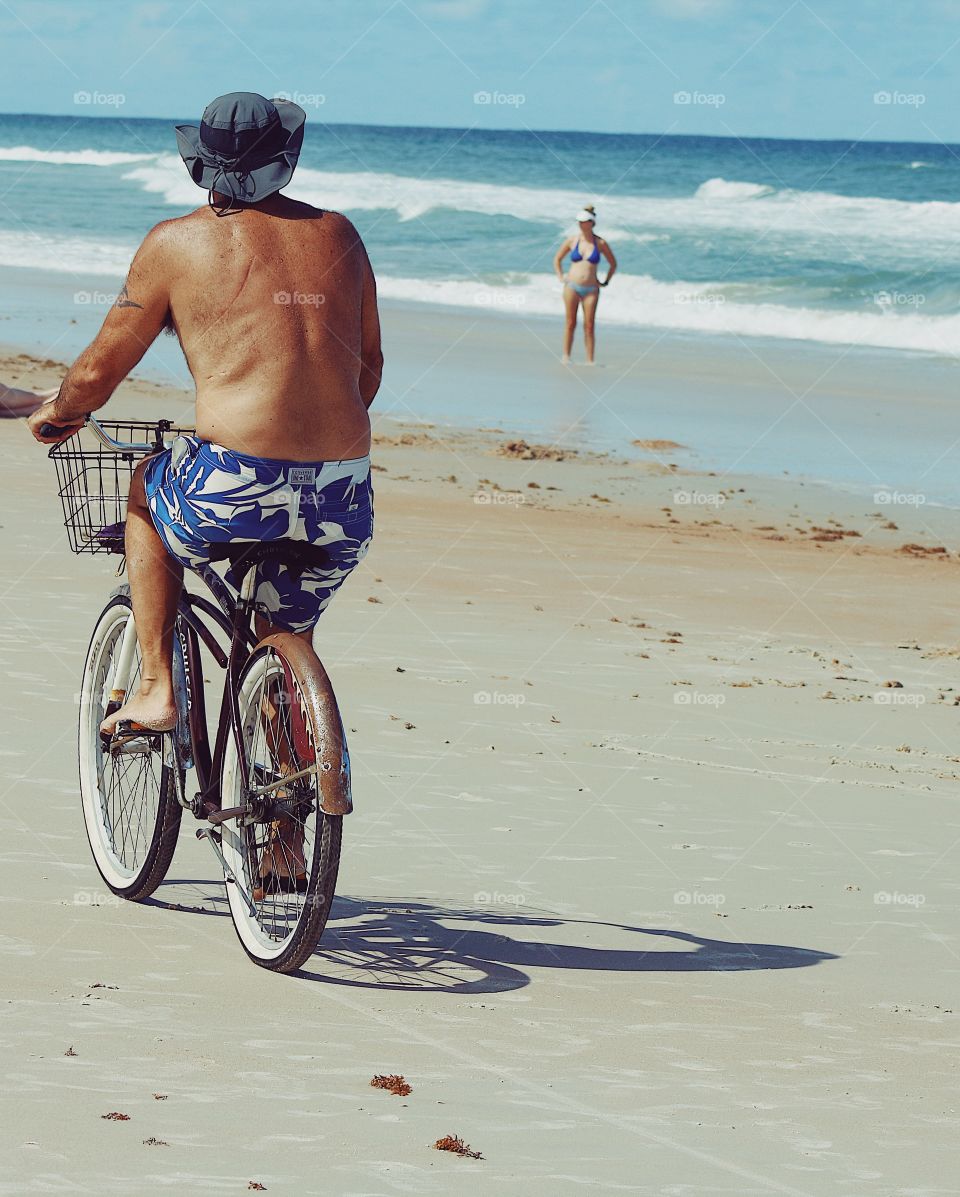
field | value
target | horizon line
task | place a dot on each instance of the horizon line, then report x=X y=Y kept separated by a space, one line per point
x=526 y=129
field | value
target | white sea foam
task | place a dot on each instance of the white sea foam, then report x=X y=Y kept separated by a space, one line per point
x=27 y=153
x=79 y=256
x=632 y=301
x=721 y=189
x=718 y=204
x=643 y=302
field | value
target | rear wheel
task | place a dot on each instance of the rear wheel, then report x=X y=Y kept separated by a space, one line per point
x=130 y=808
x=286 y=856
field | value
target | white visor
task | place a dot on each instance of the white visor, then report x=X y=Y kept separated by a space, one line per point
x=583 y=214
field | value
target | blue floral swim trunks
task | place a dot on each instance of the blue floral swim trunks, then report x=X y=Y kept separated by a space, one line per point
x=201 y=494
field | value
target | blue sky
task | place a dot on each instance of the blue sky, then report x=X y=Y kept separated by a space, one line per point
x=777 y=68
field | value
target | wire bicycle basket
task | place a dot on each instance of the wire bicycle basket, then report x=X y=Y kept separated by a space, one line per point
x=94 y=479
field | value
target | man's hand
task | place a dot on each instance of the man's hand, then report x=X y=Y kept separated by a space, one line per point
x=47 y=414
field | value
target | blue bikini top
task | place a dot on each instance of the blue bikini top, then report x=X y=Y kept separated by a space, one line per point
x=577 y=256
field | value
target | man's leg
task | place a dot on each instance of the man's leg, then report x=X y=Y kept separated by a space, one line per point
x=284 y=853
x=156 y=581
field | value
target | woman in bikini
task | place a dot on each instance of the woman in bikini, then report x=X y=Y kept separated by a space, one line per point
x=581 y=285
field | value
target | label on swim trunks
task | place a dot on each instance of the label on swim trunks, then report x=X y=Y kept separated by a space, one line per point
x=303 y=475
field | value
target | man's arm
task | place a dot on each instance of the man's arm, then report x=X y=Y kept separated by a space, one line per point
x=129 y=329
x=371 y=352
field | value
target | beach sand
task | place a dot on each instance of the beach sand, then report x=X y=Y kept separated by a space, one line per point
x=651 y=881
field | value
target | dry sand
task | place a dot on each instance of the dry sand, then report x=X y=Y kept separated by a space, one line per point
x=650 y=886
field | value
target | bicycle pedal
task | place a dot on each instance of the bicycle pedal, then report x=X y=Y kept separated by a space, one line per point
x=130 y=739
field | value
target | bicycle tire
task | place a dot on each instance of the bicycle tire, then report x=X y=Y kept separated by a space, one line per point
x=286 y=659
x=129 y=873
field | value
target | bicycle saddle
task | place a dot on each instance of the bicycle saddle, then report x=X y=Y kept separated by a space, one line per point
x=296 y=555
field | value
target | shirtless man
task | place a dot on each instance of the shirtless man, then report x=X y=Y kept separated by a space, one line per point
x=275 y=306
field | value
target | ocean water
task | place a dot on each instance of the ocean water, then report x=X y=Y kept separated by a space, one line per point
x=834 y=242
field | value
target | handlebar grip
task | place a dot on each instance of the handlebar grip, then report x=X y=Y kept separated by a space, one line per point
x=51 y=430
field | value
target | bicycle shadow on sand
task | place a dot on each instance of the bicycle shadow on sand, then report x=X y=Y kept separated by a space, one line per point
x=409 y=946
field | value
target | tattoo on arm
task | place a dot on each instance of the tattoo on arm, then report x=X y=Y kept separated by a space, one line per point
x=124 y=301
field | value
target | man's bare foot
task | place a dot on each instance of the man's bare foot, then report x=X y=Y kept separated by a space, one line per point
x=283 y=859
x=154 y=710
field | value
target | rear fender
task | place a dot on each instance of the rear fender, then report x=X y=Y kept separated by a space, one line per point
x=320 y=707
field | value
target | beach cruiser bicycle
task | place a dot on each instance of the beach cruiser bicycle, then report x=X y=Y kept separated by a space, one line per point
x=273 y=779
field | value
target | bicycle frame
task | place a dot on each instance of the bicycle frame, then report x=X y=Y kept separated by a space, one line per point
x=233 y=619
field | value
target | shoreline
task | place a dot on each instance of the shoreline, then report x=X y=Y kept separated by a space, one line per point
x=732 y=408
x=659 y=486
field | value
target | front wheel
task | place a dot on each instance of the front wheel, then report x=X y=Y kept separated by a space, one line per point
x=287 y=855
x=130 y=807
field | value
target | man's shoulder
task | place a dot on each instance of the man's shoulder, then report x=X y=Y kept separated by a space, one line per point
x=334 y=221
x=167 y=233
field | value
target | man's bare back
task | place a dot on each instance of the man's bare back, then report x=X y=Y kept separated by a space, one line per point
x=276 y=309
x=272 y=305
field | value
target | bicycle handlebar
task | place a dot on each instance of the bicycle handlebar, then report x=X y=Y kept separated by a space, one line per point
x=103 y=437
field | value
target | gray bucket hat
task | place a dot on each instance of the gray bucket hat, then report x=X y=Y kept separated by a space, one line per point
x=246 y=147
